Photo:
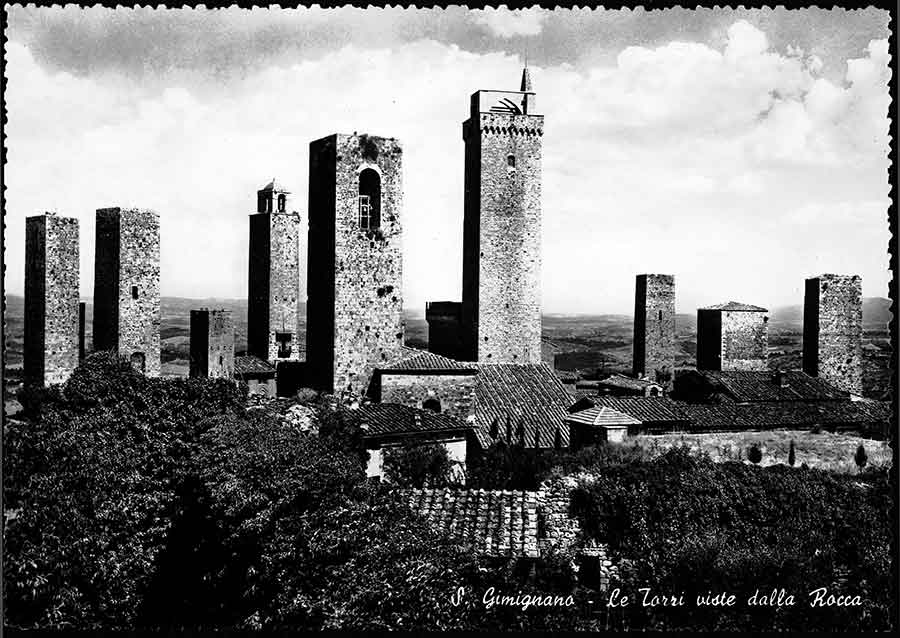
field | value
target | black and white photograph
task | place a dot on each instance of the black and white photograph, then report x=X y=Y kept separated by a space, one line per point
x=428 y=319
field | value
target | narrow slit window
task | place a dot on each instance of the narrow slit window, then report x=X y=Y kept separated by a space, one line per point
x=511 y=161
x=369 y=200
x=134 y=292
x=282 y=203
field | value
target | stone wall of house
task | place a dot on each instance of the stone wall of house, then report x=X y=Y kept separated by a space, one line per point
x=832 y=330
x=212 y=344
x=654 y=328
x=745 y=340
x=502 y=237
x=126 y=286
x=456 y=392
x=51 y=344
x=355 y=298
x=562 y=532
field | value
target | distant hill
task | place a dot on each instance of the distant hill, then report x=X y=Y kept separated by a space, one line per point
x=876 y=313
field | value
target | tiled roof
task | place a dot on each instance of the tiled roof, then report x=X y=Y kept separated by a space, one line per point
x=601 y=415
x=415 y=359
x=762 y=415
x=488 y=522
x=629 y=383
x=743 y=385
x=735 y=306
x=526 y=397
x=251 y=365
x=645 y=409
x=394 y=418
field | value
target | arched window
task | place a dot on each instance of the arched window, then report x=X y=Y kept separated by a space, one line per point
x=432 y=404
x=369 y=200
x=511 y=161
x=282 y=203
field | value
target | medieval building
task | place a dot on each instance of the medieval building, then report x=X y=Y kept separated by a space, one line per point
x=832 y=330
x=126 y=286
x=51 y=346
x=212 y=344
x=355 y=296
x=500 y=315
x=273 y=302
x=654 y=328
x=732 y=336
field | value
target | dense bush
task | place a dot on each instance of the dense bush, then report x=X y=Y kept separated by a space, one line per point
x=690 y=525
x=419 y=464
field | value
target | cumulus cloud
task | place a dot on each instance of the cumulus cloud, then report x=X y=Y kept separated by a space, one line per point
x=507 y=23
x=679 y=158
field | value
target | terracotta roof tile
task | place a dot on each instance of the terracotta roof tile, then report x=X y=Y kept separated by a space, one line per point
x=601 y=415
x=422 y=360
x=394 y=418
x=629 y=383
x=742 y=385
x=773 y=414
x=734 y=306
x=645 y=409
x=251 y=365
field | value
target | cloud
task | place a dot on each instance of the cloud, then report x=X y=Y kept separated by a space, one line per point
x=678 y=158
x=506 y=23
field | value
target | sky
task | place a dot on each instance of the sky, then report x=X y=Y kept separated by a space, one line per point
x=740 y=150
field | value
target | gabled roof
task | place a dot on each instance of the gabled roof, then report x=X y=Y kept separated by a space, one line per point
x=488 y=522
x=750 y=416
x=745 y=386
x=628 y=383
x=601 y=415
x=394 y=418
x=735 y=306
x=414 y=359
x=527 y=397
x=252 y=366
x=645 y=409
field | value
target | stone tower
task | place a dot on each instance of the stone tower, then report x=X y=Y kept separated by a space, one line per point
x=212 y=344
x=654 y=327
x=126 y=286
x=51 y=299
x=355 y=299
x=732 y=336
x=273 y=300
x=501 y=299
x=832 y=330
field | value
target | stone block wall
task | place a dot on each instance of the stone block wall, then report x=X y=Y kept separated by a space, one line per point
x=654 y=328
x=126 y=286
x=832 y=330
x=456 y=392
x=745 y=341
x=51 y=344
x=502 y=237
x=212 y=344
x=355 y=294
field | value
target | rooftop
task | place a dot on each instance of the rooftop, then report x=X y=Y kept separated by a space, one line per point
x=745 y=386
x=414 y=359
x=250 y=365
x=601 y=415
x=644 y=409
x=736 y=306
x=393 y=418
x=628 y=383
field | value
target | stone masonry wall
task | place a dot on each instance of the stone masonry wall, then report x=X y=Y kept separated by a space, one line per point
x=212 y=344
x=128 y=265
x=745 y=341
x=654 y=327
x=502 y=293
x=51 y=346
x=284 y=285
x=832 y=335
x=455 y=392
x=363 y=308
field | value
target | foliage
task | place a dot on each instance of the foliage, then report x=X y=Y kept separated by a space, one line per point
x=738 y=528
x=419 y=464
x=754 y=454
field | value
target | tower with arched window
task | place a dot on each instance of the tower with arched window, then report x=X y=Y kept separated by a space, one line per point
x=354 y=291
x=274 y=295
x=501 y=305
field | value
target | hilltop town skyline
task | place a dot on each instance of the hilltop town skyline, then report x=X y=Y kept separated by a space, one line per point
x=791 y=145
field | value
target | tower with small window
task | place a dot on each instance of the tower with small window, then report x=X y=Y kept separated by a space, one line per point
x=274 y=297
x=126 y=286
x=354 y=293
x=654 y=328
x=212 y=344
x=501 y=304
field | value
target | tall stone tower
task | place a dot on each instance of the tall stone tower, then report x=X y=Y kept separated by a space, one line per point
x=51 y=299
x=126 y=286
x=273 y=300
x=832 y=330
x=212 y=344
x=501 y=299
x=732 y=336
x=654 y=327
x=354 y=293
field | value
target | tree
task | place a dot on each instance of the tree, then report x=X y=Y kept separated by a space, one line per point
x=791 y=454
x=754 y=454
x=417 y=464
x=861 y=458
